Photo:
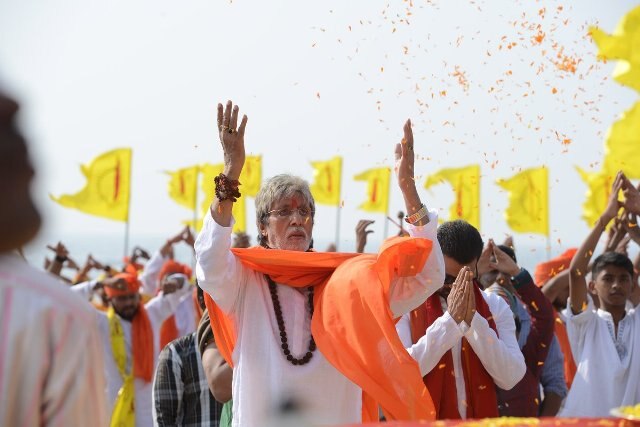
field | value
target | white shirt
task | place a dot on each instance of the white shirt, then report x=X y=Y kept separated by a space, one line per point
x=499 y=354
x=51 y=360
x=608 y=366
x=262 y=377
x=158 y=309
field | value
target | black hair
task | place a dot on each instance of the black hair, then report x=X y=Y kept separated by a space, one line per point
x=509 y=251
x=460 y=240
x=611 y=258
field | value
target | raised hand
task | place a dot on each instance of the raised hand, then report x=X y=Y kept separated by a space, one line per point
x=631 y=196
x=470 y=298
x=59 y=250
x=613 y=205
x=232 y=139
x=502 y=261
x=405 y=158
x=629 y=223
x=138 y=252
x=361 y=234
x=484 y=262
x=187 y=236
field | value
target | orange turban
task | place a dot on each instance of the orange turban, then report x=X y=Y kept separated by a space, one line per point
x=547 y=270
x=172 y=267
x=129 y=284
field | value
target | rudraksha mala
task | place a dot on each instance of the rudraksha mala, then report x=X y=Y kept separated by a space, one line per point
x=226 y=189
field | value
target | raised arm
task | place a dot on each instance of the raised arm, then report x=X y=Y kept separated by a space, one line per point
x=580 y=262
x=406 y=293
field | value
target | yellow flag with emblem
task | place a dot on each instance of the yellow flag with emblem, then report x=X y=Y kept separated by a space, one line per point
x=106 y=192
x=378 y=180
x=622 y=144
x=183 y=186
x=465 y=182
x=327 y=176
x=528 y=209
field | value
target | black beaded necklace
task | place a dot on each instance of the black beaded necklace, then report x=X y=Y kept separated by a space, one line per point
x=273 y=289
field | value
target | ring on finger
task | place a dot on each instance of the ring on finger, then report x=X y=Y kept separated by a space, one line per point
x=231 y=130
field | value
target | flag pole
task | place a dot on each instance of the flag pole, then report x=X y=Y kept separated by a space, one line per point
x=195 y=217
x=126 y=225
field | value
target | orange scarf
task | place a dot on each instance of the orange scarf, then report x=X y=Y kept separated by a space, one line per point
x=563 y=339
x=352 y=323
x=482 y=401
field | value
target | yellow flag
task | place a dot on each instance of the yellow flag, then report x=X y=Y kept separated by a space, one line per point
x=327 y=176
x=622 y=144
x=465 y=182
x=598 y=192
x=106 y=192
x=528 y=210
x=622 y=45
x=377 y=189
x=183 y=186
x=209 y=172
x=251 y=176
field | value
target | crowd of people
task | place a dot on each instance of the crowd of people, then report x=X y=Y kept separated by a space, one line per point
x=436 y=324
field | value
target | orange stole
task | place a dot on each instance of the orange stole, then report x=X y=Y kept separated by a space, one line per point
x=168 y=331
x=352 y=323
x=142 y=345
x=482 y=401
x=563 y=339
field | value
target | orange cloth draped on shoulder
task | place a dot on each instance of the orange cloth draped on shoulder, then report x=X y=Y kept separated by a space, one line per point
x=482 y=401
x=352 y=323
x=570 y=367
x=544 y=272
x=169 y=329
x=141 y=332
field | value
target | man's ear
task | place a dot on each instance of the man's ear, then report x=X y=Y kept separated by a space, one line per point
x=591 y=286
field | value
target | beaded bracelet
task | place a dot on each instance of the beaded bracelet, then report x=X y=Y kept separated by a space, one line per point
x=417 y=216
x=226 y=189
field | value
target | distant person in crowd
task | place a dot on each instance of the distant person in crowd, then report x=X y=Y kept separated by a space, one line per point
x=463 y=338
x=502 y=276
x=605 y=341
x=181 y=393
x=269 y=306
x=51 y=362
x=131 y=341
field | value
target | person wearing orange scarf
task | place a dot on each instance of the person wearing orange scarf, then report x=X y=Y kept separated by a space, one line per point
x=130 y=332
x=553 y=277
x=169 y=330
x=312 y=330
x=463 y=338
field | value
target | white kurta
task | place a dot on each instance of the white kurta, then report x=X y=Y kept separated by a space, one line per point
x=499 y=354
x=158 y=309
x=262 y=377
x=51 y=359
x=608 y=373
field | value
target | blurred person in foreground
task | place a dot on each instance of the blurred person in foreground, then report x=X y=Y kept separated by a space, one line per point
x=307 y=327
x=50 y=351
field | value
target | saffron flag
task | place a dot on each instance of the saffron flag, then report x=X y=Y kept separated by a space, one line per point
x=106 y=192
x=465 y=182
x=209 y=172
x=528 y=210
x=598 y=192
x=183 y=186
x=377 y=189
x=327 y=176
x=623 y=142
x=251 y=176
x=623 y=46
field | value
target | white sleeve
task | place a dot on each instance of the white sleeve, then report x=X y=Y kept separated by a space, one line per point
x=500 y=354
x=84 y=289
x=162 y=306
x=439 y=338
x=577 y=327
x=407 y=293
x=218 y=271
x=149 y=276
